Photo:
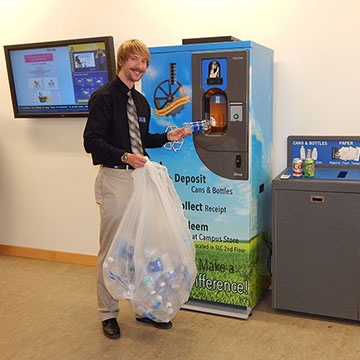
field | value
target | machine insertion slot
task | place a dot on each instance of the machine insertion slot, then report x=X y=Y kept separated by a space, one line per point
x=317 y=199
x=342 y=174
x=238 y=160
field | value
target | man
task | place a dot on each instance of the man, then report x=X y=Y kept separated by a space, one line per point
x=116 y=135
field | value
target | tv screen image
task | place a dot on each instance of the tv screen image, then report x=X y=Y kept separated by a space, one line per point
x=56 y=79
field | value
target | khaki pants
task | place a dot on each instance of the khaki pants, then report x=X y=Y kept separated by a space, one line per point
x=113 y=188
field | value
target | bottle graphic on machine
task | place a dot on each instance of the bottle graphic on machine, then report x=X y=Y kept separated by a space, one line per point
x=314 y=154
x=308 y=154
x=302 y=152
x=200 y=125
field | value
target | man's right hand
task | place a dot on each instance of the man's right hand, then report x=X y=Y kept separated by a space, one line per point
x=136 y=160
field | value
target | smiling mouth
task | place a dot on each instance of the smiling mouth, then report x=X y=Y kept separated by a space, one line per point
x=137 y=71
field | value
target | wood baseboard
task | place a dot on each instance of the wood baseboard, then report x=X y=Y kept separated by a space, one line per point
x=58 y=256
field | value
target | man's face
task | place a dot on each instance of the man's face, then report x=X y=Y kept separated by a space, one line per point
x=134 y=67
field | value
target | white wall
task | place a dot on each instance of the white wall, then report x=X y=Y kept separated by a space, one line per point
x=46 y=179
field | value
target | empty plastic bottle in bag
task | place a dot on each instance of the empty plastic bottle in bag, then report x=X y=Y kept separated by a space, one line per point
x=156 y=265
x=131 y=265
x=149 y=315
x=168 y=267
x=158 y=302
x=169 y=308
x=187 y=276
x=148 y=281
x=149 y=284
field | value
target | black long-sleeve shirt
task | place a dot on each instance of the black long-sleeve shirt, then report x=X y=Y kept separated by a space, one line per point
x=106 y=134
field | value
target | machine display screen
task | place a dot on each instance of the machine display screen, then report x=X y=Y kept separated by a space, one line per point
x=214 y=73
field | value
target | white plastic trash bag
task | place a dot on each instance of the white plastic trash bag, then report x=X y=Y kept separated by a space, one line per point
x=151 y=261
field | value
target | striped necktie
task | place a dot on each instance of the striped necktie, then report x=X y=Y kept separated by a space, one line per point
x=134 y=129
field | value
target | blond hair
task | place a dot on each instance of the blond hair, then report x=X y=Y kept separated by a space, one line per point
x=131 y=47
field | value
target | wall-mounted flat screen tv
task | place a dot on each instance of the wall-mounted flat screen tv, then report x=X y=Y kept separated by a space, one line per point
x=56 y=79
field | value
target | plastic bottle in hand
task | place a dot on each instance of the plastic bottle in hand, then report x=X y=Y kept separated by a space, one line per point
x=200 y=125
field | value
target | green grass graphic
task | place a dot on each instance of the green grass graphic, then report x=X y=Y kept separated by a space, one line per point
x=230 y=273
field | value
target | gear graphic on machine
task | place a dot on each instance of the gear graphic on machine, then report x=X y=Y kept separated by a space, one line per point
x=170 y=95
x=166 y=93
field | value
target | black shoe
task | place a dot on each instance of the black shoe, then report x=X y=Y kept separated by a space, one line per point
x=159 y=325
x=111 y=328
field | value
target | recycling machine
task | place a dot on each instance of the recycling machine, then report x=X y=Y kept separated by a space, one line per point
x=223 y=175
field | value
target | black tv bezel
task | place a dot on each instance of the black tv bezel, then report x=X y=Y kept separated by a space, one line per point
x=110 y=62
